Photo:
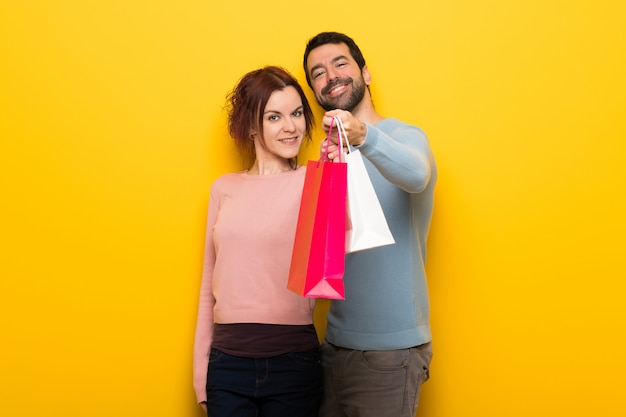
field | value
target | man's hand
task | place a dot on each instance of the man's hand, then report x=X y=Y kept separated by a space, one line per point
x=333 y=150
x=356 y=130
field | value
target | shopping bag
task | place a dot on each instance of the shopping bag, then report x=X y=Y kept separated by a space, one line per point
x=317 y=262
x=366 y=225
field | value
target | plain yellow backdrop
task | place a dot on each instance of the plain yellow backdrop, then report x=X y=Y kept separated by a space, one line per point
x=112 y=130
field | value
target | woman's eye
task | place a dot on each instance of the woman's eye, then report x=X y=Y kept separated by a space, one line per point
x=297 y=113
x=273 y=117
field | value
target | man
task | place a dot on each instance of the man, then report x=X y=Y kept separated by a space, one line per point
x=377 y=347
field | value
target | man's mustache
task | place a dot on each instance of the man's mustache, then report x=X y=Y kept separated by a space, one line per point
x=335 y=83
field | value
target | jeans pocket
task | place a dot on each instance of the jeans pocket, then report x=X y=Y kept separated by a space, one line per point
x=386 y=360
x=423 y=357
x=215 y=355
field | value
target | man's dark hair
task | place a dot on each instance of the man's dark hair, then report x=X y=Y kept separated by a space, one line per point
x=331 y=37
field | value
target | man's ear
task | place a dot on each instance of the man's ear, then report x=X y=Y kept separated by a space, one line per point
x=366 y=75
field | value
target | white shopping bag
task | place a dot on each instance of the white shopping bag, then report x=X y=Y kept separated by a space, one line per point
x=366 y=225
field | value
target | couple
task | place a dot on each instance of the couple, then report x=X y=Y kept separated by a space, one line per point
x=256 y=349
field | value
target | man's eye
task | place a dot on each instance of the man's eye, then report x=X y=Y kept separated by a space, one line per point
x=317 y=74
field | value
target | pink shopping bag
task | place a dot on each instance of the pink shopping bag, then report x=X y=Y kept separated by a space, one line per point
x=317 y=263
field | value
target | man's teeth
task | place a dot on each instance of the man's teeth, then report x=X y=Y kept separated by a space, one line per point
x=334 y=89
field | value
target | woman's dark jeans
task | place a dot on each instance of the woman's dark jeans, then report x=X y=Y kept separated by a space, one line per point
x=278 y=386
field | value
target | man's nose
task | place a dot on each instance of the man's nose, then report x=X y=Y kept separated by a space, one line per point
x=331 y=74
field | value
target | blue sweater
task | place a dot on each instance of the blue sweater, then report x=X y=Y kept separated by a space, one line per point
x=386 y=305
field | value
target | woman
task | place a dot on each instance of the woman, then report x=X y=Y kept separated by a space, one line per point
x=256 y=350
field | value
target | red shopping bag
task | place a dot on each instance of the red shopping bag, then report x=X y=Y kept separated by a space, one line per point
x=317 y=263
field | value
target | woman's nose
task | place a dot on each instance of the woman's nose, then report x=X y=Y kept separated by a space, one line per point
x=289 y=125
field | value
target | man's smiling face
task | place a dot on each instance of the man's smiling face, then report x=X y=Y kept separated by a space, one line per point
x=336 y=79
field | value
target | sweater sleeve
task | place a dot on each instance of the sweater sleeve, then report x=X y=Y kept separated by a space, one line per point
x=402 y=156
x=204 y=324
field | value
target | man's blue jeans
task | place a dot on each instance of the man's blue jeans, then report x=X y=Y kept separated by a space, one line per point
x=278 y=386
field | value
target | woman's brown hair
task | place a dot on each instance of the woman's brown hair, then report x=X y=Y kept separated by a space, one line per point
x=246 y=104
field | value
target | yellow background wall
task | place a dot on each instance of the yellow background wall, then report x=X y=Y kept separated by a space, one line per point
x=112 y=129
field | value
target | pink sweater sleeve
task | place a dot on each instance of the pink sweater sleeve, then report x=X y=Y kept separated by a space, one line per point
x=204 y=324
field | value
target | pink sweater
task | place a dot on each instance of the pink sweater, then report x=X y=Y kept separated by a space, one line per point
x=249 y=240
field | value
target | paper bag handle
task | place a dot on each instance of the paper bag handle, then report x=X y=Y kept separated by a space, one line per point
x=342 y=131
x=341 y=135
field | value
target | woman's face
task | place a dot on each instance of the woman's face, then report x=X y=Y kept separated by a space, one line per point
x=284 y=126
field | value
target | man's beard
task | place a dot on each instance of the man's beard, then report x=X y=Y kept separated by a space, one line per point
x=344 y=103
